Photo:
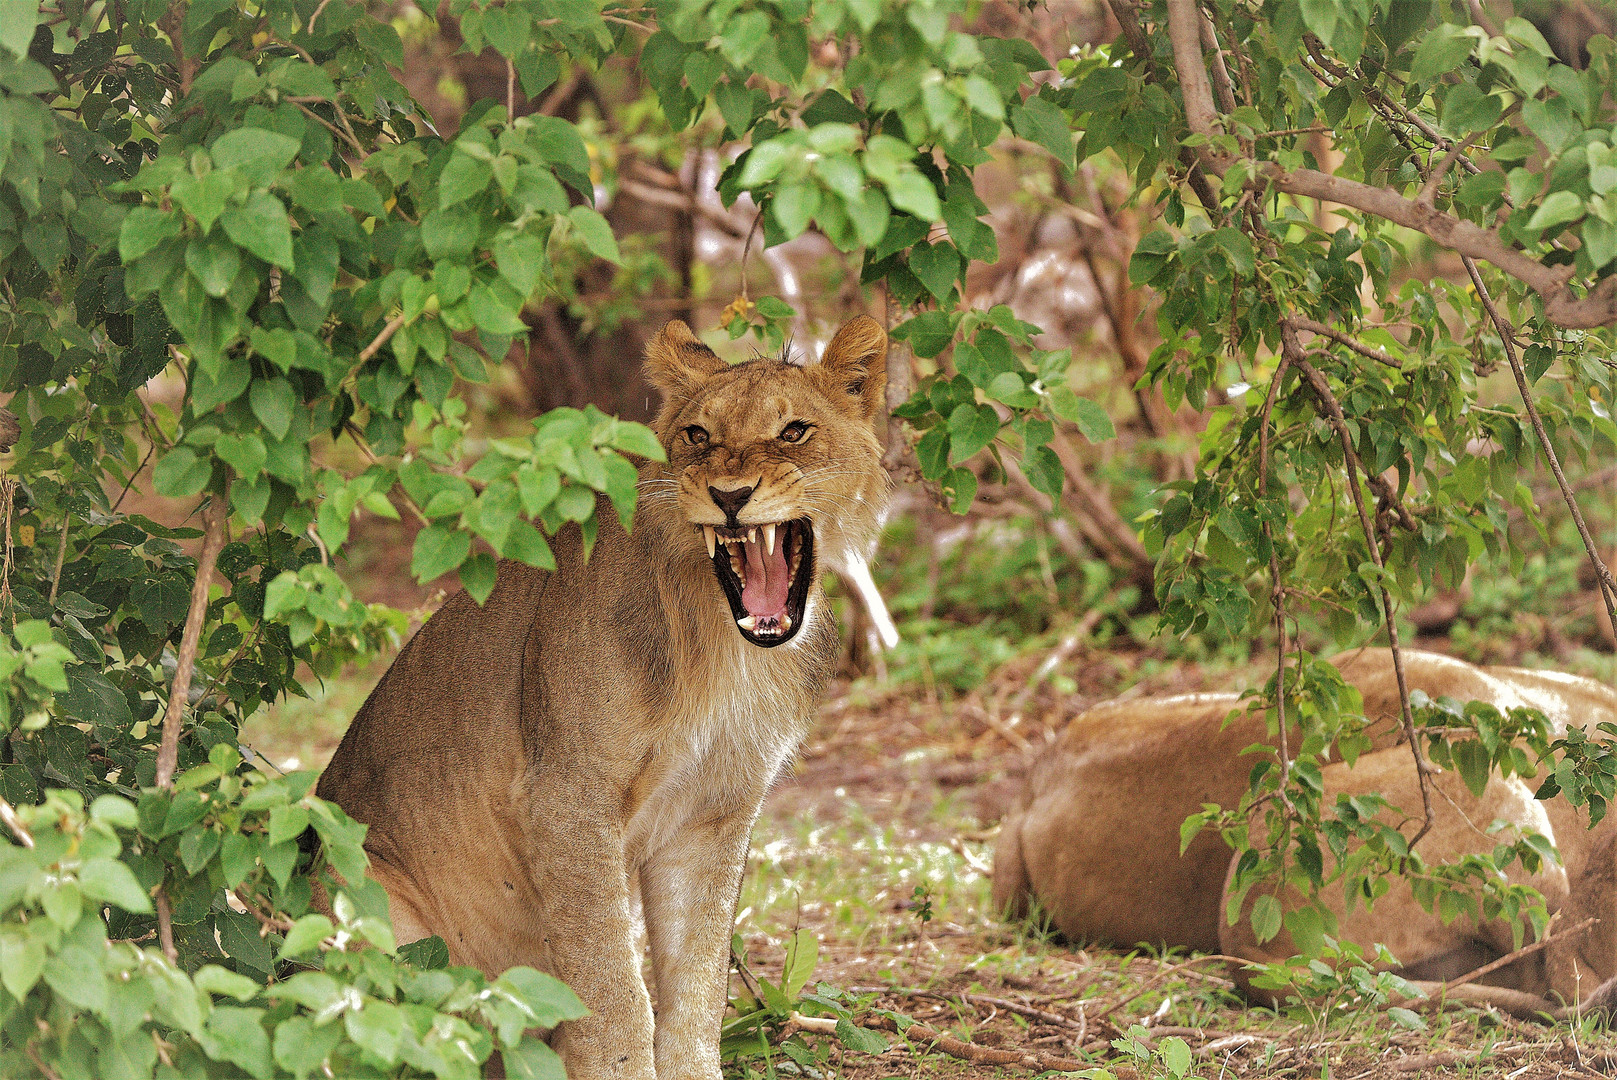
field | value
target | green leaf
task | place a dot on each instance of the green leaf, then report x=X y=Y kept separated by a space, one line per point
x=961 y=486
x=1474 y=763
x=802 y=952
x=532 y=1059
x=914 y=193
x=464 y=177
x=244 y=453
x=861 y=1039
x=1266 y=917
x=236 y=1035
x=22 y=961
x=111 y=881
x=794 y=205
x=181 y=473
x=932 y=452
x=937 y=265
x=438 y=550
x=477 y=576
x=262 y=228
x=1442 y=50
x=522 y=261
x=1404 y=1018
x=306 y=934
x=302 y=1047
x=143 y=229
x=1174 y=1051
x=217 y=980
x=1557 y=209
x=259 y=154
x=1012 y=389
x=929 y=333
x=450 y=234
x=273 y=402
x=971 y=427
x=214 y=262
x=596 y=233
x=1041 y=121
x=17 y=22
x=1090 y=417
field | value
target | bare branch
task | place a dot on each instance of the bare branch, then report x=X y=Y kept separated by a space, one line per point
x=214 y=516
x=1184 y=31
x=8 y=814
x=1221 y=73
x=380 y=339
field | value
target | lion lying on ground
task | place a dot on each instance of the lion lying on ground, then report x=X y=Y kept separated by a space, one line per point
x=1094 y=836
x=611 y=726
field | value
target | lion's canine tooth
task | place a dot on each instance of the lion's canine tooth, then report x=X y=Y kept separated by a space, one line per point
x=748 y=623
x=785 y=623
x=752 y=536
x=712 y=540
x=769 y=538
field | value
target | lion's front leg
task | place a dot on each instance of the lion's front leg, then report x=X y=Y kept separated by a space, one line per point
x=582 y=880
x=689 y=890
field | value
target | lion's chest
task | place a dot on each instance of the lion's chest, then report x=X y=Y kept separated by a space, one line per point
x=717 y=748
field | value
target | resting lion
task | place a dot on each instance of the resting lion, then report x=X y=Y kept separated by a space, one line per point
x=1094 y=836
x=610 y=727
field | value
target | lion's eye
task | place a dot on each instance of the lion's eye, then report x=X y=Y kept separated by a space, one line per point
x=794 y=432
x=697 y=435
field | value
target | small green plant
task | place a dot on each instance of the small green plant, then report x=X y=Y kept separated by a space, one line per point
x=1169 y=1058
x=773 y=1022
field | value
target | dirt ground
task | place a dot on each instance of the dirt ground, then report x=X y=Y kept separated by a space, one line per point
x=890 y=813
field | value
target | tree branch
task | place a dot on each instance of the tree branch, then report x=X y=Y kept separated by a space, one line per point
x=1380 y=357
x=1333 y=412
x=1507 y=335
x=214 y=516
x=1561 y=305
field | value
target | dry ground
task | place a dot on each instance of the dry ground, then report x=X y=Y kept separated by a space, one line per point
x=891 y=811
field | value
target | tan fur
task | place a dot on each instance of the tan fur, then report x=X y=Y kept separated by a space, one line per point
x=604 y=729
x=1094 y=836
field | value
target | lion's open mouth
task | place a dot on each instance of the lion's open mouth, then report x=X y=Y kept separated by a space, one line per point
x=765 y=571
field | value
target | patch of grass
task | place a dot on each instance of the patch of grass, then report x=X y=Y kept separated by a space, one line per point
x=302 y=733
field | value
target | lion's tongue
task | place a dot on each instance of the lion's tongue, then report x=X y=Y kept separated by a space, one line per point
x=767 y=579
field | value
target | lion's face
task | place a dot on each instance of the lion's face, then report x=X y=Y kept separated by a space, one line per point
x=773 y=466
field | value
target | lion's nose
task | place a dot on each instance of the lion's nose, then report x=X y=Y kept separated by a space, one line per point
x=731 y=501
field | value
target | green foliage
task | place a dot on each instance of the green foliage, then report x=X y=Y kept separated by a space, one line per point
x=1363 y=457
x=763 y=1008
x=96 y=996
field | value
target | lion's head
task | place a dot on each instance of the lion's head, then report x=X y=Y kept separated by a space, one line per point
x=773 y=465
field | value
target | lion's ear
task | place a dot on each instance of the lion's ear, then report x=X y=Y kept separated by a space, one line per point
x=855 y=363
x=677 y=362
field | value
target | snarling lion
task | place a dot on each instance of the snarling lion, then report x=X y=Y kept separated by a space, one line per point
x=1094 y=837
x=607 y=730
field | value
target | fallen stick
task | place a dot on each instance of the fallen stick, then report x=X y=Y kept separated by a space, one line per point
x=1044 y=1016
x=1512 y=957
x=1152 y=983
x=948 y=1044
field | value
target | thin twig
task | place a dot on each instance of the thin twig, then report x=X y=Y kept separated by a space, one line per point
x=8 y=814
x=1161 y=975
x=329 y=126
x=165 y=926
x=214 y=515
x=309 y=26
x=380 y=339
x=1277 y=589
x=1512 y=957
x=61 y=557
x=510 y=90
x=1333 y=413
x=1507 y=335
x=1379 y=356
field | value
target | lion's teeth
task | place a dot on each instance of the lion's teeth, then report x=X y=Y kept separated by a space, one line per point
x=769 y=539
x=752 y=536
x=749 y=623
x=785 y=622
x=712 y=540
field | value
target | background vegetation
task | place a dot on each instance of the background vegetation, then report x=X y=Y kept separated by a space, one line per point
x=1222 y=330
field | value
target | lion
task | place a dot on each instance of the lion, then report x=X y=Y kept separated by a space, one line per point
x=605 y=732
x=1094 y=840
